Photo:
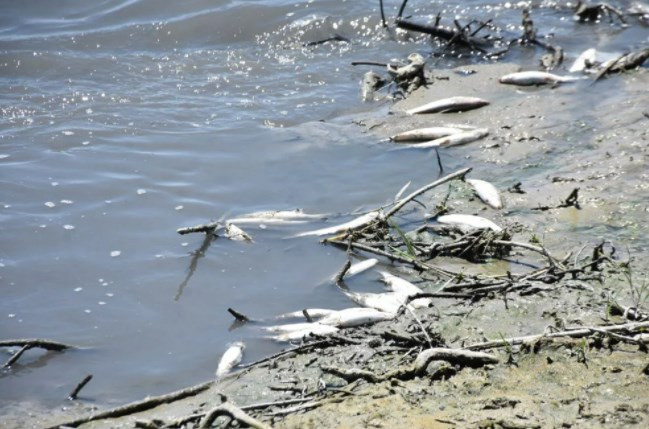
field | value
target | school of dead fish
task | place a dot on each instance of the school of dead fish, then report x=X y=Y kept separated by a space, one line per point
x=377 y=307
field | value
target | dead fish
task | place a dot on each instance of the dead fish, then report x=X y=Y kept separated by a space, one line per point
x=404 y=287
x=585 y=60
x=279 y=217
x=235 y=233
x=352 y=224
x=486 y=192
x=297 y=214
x=231 y=358
x=314 y=329
x=359 y=267
x=266 y=221
x=355 y=317
x=386 y=302
x=314 y=313
x=288 y=328
x=447 y=105
x=468 y=223
x=454 y=139
x=528 y=78
x=423 y=134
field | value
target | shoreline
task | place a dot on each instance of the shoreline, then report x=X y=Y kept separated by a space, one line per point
x=582 y=383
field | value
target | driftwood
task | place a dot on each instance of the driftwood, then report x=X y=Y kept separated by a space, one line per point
x=572 y=333
x=418 y=368
x=31 y=343
x=81 y=385
x=142 y=405
x=227 y=409
x=206 y=228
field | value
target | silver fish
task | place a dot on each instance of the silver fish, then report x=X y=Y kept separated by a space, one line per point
x=468 y=223
x=231 y=358
x=235 y=233
x=486 y=192
x=314 y=313
x=528 y=78
x=447 y=105
x=355 y=317
x=291 y=327
x=585 y=60
x=404 y=287
x=386 y=302
x=423 y=134
x=454 y=139
x=265 y=221
x=314 y=329
x=352 y=224
x=359 y=267
x=296 y=214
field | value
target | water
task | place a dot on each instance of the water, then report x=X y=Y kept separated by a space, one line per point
x=124 y=120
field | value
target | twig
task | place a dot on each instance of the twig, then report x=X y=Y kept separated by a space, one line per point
x=383 y=22
x=234 y=412
x=453 y=356
x=343 y=271
x=573 y=333
x=417 y=264
x=206 y=228
x=142 y=405
x=73 y=395
x=457 y=175
x=421 y=326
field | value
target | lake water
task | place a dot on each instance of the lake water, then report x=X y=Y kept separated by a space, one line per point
x=122 y=120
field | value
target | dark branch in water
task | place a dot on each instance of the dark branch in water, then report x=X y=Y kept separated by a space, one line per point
x=135 y=407
x=206 y=228
x=238 y=316
x=73 y=395
x=368 y=63
x=383 y=21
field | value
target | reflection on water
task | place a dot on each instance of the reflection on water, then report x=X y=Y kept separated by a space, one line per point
x=123 y=120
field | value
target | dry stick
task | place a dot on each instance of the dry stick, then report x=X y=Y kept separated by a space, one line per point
x=617 y=336
x=207 y=227
x=305 y=406
x=393 y=257
x=343 y=271
x=301 y=348
x=227 y=409
x=574 y=333
x=259 y=406
x=421 y=326
x=137 y=406
x=453 y=356
x=542 y=250
x=457 y=175
x=73 y=395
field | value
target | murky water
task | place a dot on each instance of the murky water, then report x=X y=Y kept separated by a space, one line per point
x=122 y=120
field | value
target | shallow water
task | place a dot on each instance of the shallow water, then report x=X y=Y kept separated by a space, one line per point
x=124 y=120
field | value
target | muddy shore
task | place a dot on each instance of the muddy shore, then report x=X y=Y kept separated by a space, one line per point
x=587 y=382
